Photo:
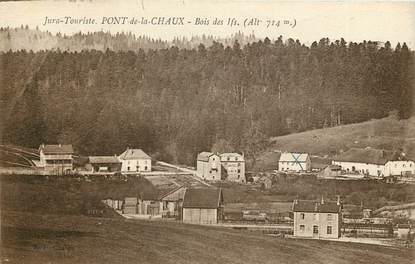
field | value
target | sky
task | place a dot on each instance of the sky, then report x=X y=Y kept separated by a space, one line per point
x=352 y=20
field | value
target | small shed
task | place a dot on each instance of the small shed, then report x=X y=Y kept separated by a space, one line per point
x=330 y=171
x=203 y=206
x=104 y=164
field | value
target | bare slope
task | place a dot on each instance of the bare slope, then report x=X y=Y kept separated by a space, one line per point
x=75 y=239
x=388 y=133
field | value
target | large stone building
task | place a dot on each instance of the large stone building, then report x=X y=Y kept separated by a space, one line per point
x=226 y=166
x=317 y=219
x=233 y=165
x=134 y=160
x=294 y=162
x=57 y=159
x=203 y=206
x=209 y=166
x=367 y=161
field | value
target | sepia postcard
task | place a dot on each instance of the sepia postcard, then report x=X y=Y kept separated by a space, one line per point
x=190 y=131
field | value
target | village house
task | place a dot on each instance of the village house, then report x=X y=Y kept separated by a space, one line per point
x=134 y=160
x=149 y=205
x=317 y=219
x=233 y=165
x=203 y=206
x=294 y=162
x=399 y=168
x=367 y=161
x=208 y=166
x=56 y=158
x=103 y=164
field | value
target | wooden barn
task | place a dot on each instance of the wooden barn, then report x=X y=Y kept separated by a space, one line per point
x=203 y=206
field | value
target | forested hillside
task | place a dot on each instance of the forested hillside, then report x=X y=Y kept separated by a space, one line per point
x=33 y=39
x=175 y=102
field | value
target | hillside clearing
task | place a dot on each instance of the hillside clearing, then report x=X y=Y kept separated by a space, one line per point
x=387 y=133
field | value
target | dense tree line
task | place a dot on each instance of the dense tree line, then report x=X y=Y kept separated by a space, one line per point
x=175 y=102
x=33 y=39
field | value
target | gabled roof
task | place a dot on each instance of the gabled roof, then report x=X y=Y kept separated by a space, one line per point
x=316 y=207
x=56 y=149
x=204 y=156
x=364 y=155
x=293 y=157
x=132 y=154
x=224 y=156
x=103 y=159
x=209 y=198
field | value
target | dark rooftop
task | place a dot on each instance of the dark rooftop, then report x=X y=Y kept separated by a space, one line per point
x=366 y=155
x=103 y=159
x=203 y=198
x=56 y=149
x=317 y=207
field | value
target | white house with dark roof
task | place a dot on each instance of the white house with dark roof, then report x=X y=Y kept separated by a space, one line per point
x=134 y=160
x=318 y=219
x=208 y=166
x=366 y=161
x=57 y=158
x=294 y=162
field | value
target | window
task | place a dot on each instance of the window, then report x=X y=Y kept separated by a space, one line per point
x=137 y=168
x=145 y=168
x=239 y=176
x=403 y=165
x=410 y=165
x=236 y=158
x=302 y=215
x=329 y=217
x=239 y=170
x=302 y=228
x=353 y=168
x=229 y=158
x=128 y=168
x=329 y=230
x=315 y=217
x=315 y=229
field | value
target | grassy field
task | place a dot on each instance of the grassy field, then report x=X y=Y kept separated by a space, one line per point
x=388 y=133
x=41 y=233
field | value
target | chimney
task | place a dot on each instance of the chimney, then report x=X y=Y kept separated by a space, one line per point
x=315 y=206
x=338 y=199
x=322 y=199
x=60 y=145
